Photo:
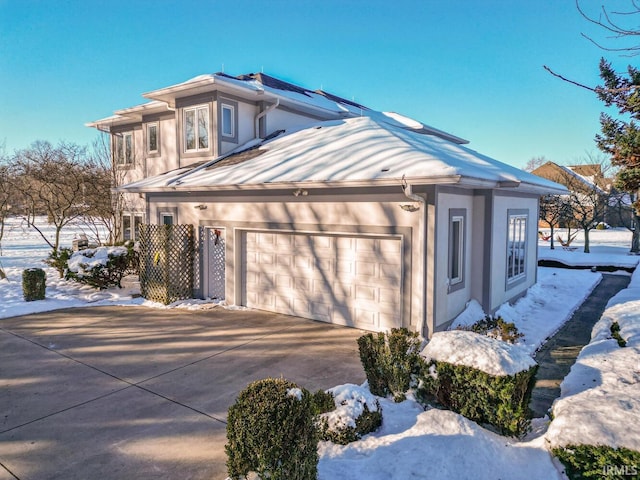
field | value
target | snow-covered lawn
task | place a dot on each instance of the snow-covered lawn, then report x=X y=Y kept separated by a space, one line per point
x=439 y=444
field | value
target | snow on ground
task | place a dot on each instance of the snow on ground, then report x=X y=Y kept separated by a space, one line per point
x=607 y=247
x=439 y=444
x=434 y=444
x=600 y=398
x=544 y=309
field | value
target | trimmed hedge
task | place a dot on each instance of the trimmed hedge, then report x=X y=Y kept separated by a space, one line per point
x=501 y=401
x=34 y=284
x=589 y=461
x=271 y=431
x=495 y=327
x=389 y=361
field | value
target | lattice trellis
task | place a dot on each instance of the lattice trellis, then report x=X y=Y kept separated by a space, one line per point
x=167 y=257
x=216 y=262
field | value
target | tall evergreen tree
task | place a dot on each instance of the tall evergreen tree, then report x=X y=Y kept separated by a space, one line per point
x=620 y=137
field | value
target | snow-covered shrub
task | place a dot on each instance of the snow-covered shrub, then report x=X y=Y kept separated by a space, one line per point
x=495 y=327
x=33 y=284
x=390 y=360
x=615 y=334
x=58 y=259
x=484 y=379
x=355 y=413
x=101 y=267
x=588 y=461
x=271 y=431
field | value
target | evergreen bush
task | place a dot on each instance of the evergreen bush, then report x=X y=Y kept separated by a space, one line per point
x=589 y=461
x=390 y=361
x=101 y=267
x=615 y=334
x=271 y=431
x=33 y=284
x=58 y=259
x=495 y=327
x=335 y=423
x=500 y=401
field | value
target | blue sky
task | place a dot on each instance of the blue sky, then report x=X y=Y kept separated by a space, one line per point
x=473 y=68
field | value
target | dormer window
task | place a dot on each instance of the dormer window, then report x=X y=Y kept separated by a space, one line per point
x=196 y=128
x=228 y=114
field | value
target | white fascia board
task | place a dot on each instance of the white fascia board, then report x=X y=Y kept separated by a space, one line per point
x=445 y=180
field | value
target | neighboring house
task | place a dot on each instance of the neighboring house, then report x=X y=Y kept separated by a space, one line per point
x=312 y=205
x=588 y=184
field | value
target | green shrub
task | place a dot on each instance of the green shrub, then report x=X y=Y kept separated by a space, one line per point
x=501 y=401
x=389 y=361
x=589 y=461
x=101 y=267
x=322 y=402
x=615 y=333
x=33 y=284
x=335 y=424
x=271 y=431
x=58 y=259
x=495 y=327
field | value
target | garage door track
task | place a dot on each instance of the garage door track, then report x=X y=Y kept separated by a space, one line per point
x=130 y=392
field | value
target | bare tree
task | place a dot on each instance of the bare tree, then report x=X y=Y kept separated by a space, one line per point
x=620 y=24
x=554 y=209
x=108 y=205
x=588 y=197
x=53 y=181
x=534 y=163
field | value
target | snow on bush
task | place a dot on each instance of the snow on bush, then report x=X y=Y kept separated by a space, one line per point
x=356 y=413
x=486 y=354
x=100 y=267
x=83 y=262
x=600 y=398
x=350 y=403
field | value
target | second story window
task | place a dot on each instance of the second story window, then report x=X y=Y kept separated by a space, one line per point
x=228 y=127
x=152 y=138
x=124 y=149
x=196 y=128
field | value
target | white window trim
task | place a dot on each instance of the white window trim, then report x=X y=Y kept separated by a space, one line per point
x=517 y=223
x=133 y=235
x=121 y=157
x=232 y=110
x=195 y=109
x=157 y=127
x=457 y=282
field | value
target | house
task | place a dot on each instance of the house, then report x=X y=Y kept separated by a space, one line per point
x=313 y=205
x=595 y=192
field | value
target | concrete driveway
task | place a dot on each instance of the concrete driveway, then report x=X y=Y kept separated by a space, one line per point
x=129 y=392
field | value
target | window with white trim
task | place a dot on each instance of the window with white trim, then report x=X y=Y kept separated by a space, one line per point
x=152 y=137
x=130 y=223
x=167 y=218
x=457 y=217
x=124 y=148
x=228 y=120
x=516 y=245
x=196 y=128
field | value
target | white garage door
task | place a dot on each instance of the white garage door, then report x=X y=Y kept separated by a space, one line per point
x=348 y=280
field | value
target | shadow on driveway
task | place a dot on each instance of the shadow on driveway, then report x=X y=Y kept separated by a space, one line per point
x=131 y=392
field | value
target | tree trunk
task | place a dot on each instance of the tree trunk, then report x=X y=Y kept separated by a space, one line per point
x=635 y=235
x=552 y=247
x=586 y=240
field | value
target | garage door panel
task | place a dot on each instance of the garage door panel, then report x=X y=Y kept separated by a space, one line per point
x=347 y=280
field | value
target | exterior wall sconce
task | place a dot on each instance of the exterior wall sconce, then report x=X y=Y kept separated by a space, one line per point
x=408 y=207
x=202 y=206
x=300 y=191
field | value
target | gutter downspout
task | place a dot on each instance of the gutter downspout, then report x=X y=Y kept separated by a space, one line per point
x=407 y=188
x=256 y=122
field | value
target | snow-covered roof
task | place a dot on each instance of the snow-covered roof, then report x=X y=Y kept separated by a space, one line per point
x=361 y=150
x=259 y=86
